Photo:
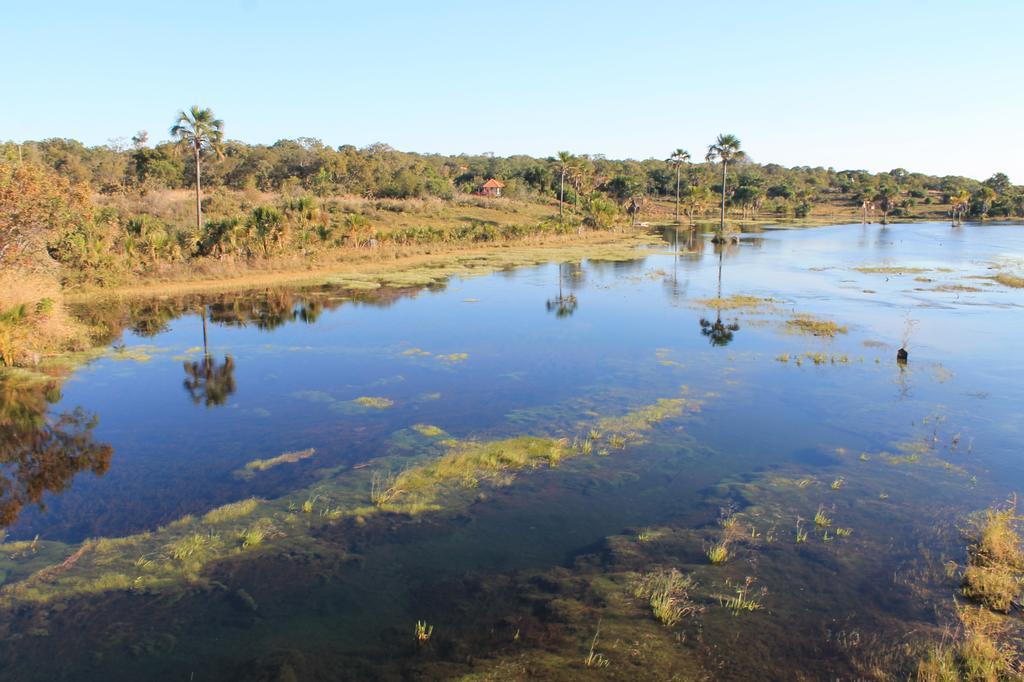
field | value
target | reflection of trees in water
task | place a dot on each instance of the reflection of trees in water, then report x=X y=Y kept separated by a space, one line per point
x=265 y=309
x=719 y=333
x=41 y=454
x=210 y=382
x=565 y=305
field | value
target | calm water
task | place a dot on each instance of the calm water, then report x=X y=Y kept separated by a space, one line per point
x=517 y=579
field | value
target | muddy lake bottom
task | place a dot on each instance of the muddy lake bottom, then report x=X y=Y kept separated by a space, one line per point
x=489 y=477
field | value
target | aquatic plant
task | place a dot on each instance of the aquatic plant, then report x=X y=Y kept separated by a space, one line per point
x=801 y=534
x=176 y=553
x=668 y=593
x=374 y=402
x=423 y=631
x=734 y=302
x=383 y=488
x=252 y=536
x=428 y=430
x=232 y=511
x=838 y=483
x=594 y=659
x=821 y=520
x=742 y=600
x=980 y=650
x=843 y=532
x=995 y=565
x=257 y=465
x=718 y=553
x=453 y=357
x=806 y=324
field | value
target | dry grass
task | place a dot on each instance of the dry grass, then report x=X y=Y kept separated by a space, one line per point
x=806 y=324
x=995 y=560
x=1006 y=279
x=735 y=302
x=33 y=321
x=980 y=651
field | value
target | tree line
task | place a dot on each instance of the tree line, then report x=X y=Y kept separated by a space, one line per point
x=48 y=188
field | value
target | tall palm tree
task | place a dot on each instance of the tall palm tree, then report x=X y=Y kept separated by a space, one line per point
x=199 y=132
x=725 y=149
x=678 y=158
x=564 y=159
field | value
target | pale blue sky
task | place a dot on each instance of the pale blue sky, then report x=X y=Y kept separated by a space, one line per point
x=931 y=86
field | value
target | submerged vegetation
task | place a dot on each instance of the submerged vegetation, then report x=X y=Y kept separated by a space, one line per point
x=258 y=465
x=668 y=593
x=178 y=553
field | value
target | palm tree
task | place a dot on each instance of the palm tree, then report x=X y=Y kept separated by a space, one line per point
x=886 y=200
x=199 y=132
x=725 y=149
x=961 y=200
x=564 y=159
x=678 y=158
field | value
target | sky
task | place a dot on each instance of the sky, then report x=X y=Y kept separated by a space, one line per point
x=932 y=86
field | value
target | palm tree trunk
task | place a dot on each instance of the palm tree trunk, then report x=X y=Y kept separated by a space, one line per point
x=199 y=203
x=677 y=194
x=202 y=312
x=721 y=227
x=561 y=194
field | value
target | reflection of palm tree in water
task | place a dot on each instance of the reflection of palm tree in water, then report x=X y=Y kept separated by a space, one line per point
x=719 y=333
x=563 y=306
x=208 y=381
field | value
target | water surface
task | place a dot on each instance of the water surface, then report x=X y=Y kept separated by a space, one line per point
x=517 y=578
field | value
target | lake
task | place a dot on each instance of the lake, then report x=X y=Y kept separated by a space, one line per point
x=489 y=477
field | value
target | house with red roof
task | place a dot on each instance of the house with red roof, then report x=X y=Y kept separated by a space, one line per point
x=492 y=188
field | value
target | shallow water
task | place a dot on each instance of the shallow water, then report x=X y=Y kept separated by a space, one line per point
x=518 y=577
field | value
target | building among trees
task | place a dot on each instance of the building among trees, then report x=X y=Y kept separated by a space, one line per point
x=492 y=188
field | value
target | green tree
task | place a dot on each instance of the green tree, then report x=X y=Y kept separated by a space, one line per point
x=266 y=222
x=725 y=149
x=678 y=158
x=960 y=201
x=199 y=132
x=886 y=198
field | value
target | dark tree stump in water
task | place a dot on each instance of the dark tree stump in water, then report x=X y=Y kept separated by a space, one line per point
x=901 y=356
